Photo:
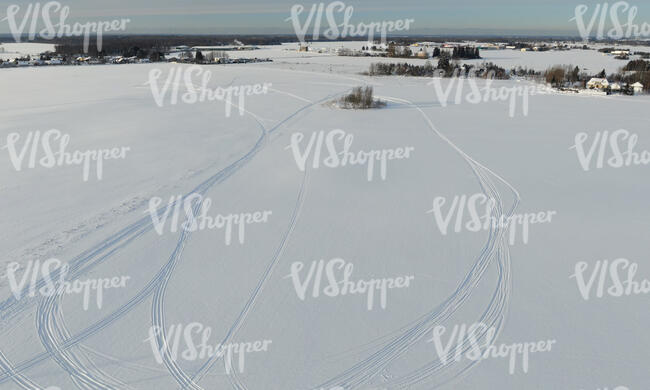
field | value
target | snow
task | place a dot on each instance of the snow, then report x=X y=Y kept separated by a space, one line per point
x=243 y=164
x=15 y=50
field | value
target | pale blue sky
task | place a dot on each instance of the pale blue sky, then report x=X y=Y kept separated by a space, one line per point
x=550 y=17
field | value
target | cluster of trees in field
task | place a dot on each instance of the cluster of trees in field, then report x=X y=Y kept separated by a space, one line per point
x=444 y=69
x=565 y=75
x=360 y=98
x=466 y=52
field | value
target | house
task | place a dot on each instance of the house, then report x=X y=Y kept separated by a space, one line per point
x=597 y=83
x=638 y=87
x=423 y=54
x=615 y=87
x=303 y=48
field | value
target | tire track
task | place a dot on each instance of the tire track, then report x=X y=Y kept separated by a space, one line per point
x=84 y=262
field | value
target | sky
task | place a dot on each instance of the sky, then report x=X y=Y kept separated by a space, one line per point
x=489 y=17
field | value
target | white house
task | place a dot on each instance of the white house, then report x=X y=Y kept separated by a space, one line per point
x=597 y=83
x=638 y=87
x=615 y=87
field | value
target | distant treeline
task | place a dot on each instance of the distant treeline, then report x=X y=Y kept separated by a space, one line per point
x=512 y=41
x=144 y=45
x=260 y=39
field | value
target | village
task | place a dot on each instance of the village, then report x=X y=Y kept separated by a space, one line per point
x=451 y=59
x=604 y=86
x=426 y=49
x=561 y=77
x=179 y=54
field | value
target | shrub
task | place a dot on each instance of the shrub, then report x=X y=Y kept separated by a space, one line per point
x=360 y=97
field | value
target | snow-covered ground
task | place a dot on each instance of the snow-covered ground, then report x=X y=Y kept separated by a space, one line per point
x=387 y=227
x=15 y=50
x=591 y=61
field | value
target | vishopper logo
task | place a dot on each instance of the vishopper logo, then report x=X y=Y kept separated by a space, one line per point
x=341 y=29
x=619 y=146
x=183 y=336
x=187 y=205
x=337 y=274
x=477 y=351
x=57 y=30
x=49 y=269
x=194 y=79
x=618 y=30
x=610 y=279
x=36 y=142
x=468 y=216
x=477 y=95
x=338 y=144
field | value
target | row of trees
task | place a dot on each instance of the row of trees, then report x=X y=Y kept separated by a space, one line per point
x=444 y=69
x=525 y=72
x=154 y=54
x=390 y=69
x=460 y=52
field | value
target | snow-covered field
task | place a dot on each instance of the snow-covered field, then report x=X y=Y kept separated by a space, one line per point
x=245 y=283
x=15 y=50
x=591 y=61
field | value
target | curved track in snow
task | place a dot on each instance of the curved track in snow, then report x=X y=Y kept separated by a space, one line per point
x=60 y=344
